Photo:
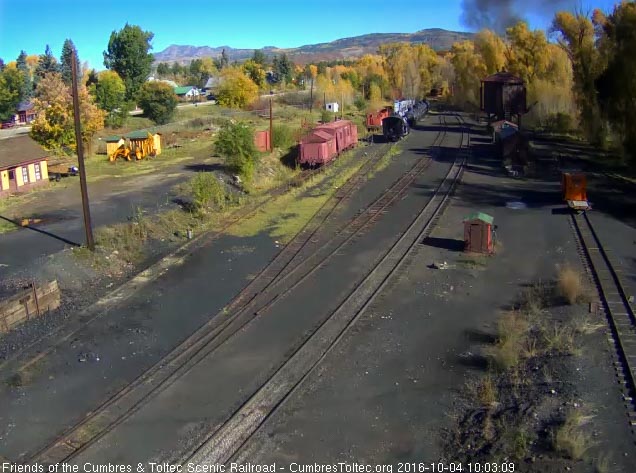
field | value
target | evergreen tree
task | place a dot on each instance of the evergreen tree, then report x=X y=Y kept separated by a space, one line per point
x=46 y=64
x=27 y=85
x=259 y=57
x=283 y=68
x=223 y=61
x=163 y=69
x=176 y=68
x=66 y=58
x=1 y=64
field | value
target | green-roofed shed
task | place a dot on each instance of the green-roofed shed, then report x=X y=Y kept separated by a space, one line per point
x=478 y=233
x=140 y=134
x=113 y=142
x=480 y=216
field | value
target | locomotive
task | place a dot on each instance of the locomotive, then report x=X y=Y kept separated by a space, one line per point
x=394 y=127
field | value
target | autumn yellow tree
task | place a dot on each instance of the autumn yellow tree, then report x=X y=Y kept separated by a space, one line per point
x=469 y=68
x=492 y=49
x=54 y=125
x=527 y=52
x=577 y=37
x=236 y=89
x=255 y=71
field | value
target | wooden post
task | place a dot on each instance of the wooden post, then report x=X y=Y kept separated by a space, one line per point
x=35 y=296
x=271 y=127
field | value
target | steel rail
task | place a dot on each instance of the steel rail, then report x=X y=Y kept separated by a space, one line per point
x=195 y=348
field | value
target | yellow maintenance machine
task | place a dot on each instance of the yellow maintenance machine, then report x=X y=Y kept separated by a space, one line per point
x=139 y=145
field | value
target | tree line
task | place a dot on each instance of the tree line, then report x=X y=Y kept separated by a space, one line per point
x=579 y=75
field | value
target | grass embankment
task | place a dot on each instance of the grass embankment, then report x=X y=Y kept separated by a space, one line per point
x=515 y=411
x=286 y=216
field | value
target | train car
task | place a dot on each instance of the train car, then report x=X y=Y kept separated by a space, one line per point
x=345 y=132
x=394 y=128
x=416 y=112
x=316 y=148
x=325 y=142
x=374 y=119
x=400 y=107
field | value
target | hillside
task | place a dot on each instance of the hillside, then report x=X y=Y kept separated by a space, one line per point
x=344 y=48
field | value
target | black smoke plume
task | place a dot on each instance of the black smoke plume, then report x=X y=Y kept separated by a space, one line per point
x=498 y=15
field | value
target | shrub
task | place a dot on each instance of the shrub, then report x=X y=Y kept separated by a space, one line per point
x=235 y=143
x=158 y=101
x=326 y=116
x=569 y=284
x=283 y=137
x=207 y=190
x=360 y=103
x=570 y=439
x=512 y=331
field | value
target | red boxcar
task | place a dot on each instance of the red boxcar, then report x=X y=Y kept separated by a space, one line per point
x=345 y=132
x=327 y=141
x=318 y=147
x=374 y=119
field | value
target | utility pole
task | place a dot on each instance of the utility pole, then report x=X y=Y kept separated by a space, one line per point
x=342 y=111
x=271 y=127
x=80 y=156
x=311 y=95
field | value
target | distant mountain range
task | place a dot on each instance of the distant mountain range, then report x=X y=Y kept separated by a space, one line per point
x=345 y=48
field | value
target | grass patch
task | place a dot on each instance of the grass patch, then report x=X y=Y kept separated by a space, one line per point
x=512 y=330
x=570 y=439
x=484 y=391
x=560 y=339
x=473 y=261
x=6 y=227
x=98 y=167
x=536 y=298
x=393 y=151
x=285 y=216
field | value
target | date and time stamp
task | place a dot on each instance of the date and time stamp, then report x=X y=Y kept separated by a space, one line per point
x=337 y=467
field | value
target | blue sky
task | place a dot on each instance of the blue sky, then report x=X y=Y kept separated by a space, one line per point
x=32 y=24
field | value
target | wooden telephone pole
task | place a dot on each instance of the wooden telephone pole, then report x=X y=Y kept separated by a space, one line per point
x=271 y=127
x=90 y=242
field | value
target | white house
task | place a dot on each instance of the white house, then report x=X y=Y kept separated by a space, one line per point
x=187 y=92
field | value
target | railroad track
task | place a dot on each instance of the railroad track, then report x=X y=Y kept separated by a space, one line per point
x=615 y=305
x=294 y=264
x=224 y=442
x=93 y=312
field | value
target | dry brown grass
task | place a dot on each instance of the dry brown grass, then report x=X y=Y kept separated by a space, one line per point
x=486 y=392
x=512 y=330
x=560 y=339
x=570 y=439
x=570 y=284
x=535 y=299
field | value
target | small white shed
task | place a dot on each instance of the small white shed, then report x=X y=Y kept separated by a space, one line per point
x=332 y=107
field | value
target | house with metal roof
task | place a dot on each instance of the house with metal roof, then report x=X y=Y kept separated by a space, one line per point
x=23 y=165
x=187 y=92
